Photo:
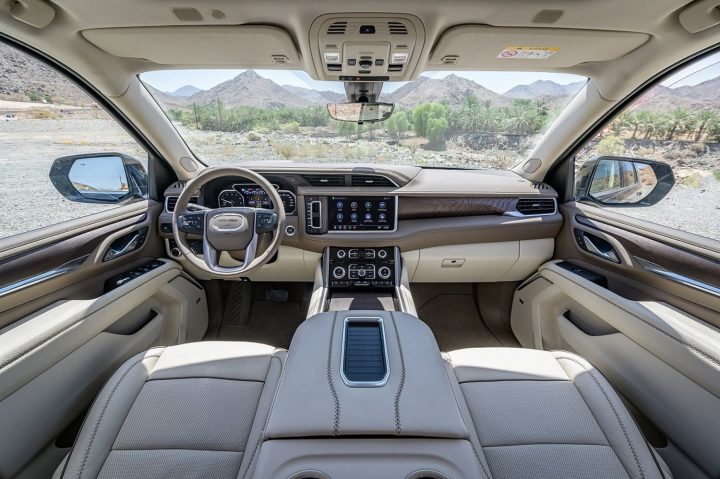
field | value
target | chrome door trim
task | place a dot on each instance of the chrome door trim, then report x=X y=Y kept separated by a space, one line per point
x=44 y=276
x=678 y=278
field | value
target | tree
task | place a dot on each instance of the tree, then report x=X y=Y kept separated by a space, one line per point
x=422 y=114
x=704 y=118
x=678 y=119
x=397 y=125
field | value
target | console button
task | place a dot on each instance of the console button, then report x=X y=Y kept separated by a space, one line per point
x=341 y=253
x=338 y=272
x=382 y=254
x=384 y=272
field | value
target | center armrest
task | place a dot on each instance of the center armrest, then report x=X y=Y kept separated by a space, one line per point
x=316 y=399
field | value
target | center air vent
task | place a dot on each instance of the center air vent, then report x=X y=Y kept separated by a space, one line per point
x=370 y=180
x=536 y=206
x=397 y=28
x=337 y=28
x=325 y=180
x=171 y=201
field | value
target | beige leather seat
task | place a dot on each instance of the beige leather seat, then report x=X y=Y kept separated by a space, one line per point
x=192 y=411
x=539 y=414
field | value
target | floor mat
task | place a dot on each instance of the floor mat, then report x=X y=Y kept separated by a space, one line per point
x=456 y=322
x=250 y=317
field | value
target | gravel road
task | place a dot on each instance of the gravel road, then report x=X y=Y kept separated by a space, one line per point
x=28 y=148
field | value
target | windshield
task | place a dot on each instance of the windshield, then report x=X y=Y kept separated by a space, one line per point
x=441 y=119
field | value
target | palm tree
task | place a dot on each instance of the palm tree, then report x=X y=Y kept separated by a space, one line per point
x=678 y=119
x=704 y=118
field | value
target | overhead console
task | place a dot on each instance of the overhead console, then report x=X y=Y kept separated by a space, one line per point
x=366 y=47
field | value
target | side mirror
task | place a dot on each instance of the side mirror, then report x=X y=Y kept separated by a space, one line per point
x=360 y=112
x=106 y=178
x=618 y=181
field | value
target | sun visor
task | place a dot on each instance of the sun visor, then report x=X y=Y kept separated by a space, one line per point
x=246 y=46
x=507 y=48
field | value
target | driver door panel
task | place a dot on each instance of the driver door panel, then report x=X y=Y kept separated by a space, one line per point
x=70 y=314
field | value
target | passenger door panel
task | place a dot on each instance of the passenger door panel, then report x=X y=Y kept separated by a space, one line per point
x=656 y=339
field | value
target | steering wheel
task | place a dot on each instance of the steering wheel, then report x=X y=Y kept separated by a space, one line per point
x=236 y=229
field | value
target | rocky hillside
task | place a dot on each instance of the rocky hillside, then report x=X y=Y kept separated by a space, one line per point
x=452 y=90
x=544 y=89
x=22 y=78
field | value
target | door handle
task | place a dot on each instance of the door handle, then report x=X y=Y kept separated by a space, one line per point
x=597 y=246
x=126 y=244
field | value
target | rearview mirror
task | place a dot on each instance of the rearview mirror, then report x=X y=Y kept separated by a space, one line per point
x=360 y=112
x=106 y=178
x=618 y=181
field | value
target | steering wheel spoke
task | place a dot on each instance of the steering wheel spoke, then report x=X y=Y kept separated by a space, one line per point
x=266 y=221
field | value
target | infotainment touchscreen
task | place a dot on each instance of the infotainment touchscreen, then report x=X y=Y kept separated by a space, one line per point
x=361 y=213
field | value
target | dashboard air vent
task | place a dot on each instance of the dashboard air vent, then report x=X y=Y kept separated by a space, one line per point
x=536 y=206
x=325 y=180
x=397 y=28
x=540 y=186
x=363 y=361
x=337 y=28
x=171 y=201
x=370 y=180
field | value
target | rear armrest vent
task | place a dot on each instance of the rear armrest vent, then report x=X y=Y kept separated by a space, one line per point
x=370 y=180
x=325 y=180
x=536 y=206
x=364 y=355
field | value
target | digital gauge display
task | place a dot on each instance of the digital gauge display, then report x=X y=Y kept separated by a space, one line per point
x=254 y=196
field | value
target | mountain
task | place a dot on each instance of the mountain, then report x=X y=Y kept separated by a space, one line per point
x=544 y=89
x=691 y=97
x=452 y=90
x=22 y=78
x=314 y=96
x=186 y=90
x=250 y=89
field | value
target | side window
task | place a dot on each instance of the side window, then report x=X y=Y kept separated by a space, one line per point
x=43 y=118
x=659 y=160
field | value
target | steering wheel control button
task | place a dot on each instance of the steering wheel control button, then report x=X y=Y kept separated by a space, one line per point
x=265 y=221
x=192 y=223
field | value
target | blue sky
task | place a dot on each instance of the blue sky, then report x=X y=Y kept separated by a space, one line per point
x=499 y=82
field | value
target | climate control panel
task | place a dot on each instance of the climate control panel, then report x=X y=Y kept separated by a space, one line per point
x=361 y=267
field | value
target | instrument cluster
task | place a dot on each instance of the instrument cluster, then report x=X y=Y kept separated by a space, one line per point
x=254 y=196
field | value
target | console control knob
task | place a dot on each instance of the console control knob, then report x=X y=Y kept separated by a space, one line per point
x=384 y=272
x=338 y=272
x=361 y=273
x=382 y=254
x=341 y=253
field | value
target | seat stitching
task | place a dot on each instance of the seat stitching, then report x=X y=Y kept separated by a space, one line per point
x=462 y=418
x=83 y=464
x=612 y=407
x=267 y=418
x=697 y=350
x=333 y=392
x=398 y=395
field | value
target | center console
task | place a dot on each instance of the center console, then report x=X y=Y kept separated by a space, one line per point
x=354 y=402
x=362 y=268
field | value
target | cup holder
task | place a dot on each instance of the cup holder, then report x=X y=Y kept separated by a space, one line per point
x=309 y=475
x=426 y=474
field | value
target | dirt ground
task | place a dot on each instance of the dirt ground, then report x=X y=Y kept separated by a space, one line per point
x=29 y=146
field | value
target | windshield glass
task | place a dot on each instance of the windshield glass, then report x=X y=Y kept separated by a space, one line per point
x=441 y=119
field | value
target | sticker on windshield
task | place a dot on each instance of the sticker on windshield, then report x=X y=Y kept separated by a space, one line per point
x=528 y=53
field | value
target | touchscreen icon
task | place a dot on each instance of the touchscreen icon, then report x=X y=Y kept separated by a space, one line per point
x=354 y=217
